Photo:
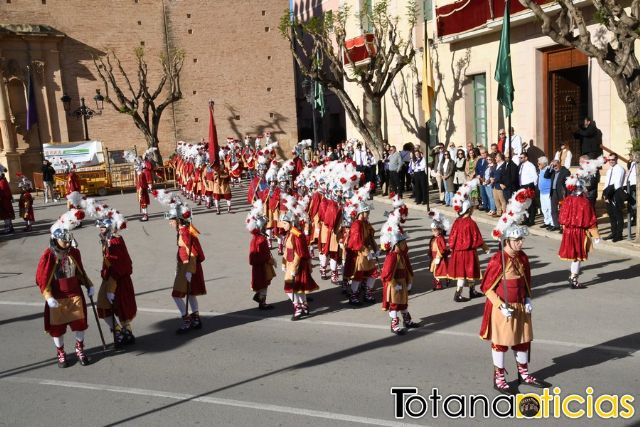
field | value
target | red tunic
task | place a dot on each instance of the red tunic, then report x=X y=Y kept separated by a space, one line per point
x=143 y=191
x=330 y=215
x=355 y=244
x=577 y=216
x=25 y=206
x=464 y=239
x=438 y=247
x=148 y=171
x=391 y=276
x=296 y=248
x=298 y=165
x=518 y=290
x=189 y=244
x=117 y=264
x=62 y=289
x=6 y=199
x=73 y=182
x=260 y=259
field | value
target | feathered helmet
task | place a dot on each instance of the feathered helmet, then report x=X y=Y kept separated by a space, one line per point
x=111 y=219
x=399 y=206
x=75 y=199
x=176 y=208
x=359 y=200
x=577 y=182
x=256 y=220
x=461 y=202
x=24 y=183
x=298 y=150
x=272 y=173
x=296 y=213
x=391 y=232
x=508 y=224
x=284 y=174
x=439 y=221
x=148 y=154
x=61 y=229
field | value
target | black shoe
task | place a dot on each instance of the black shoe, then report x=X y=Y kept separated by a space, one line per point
x=544 y=226
x=256 y=297
x=616 y=239
x=474 y=294
x=457 y=297
x=609 y=237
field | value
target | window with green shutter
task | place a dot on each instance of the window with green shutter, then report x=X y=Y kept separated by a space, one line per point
x=480 y=109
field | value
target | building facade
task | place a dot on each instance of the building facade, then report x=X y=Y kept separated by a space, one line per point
x=234 y=55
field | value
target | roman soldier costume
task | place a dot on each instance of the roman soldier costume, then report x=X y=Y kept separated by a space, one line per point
x=438 y=251
x=578 y=219
x=507 y=285
x=395 y=285
x=60 y=276
x=465 y=239
x=221 y=188
x=116 y=297
x=260 y=259
x=7 y=214
x=25 y=203
x=142 y=190
x=189 y=281
x=297 y=260
x=284 y=185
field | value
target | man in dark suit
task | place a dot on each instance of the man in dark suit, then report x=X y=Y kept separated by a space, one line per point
x=481 y=167
x=558 y=175
x=509 y=179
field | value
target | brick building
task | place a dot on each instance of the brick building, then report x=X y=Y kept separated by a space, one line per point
x=234 y=54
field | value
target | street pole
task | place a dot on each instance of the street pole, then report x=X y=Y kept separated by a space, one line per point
x=83 y=112
x=315 y=132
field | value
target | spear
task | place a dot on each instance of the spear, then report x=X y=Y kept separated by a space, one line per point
x=95 y=313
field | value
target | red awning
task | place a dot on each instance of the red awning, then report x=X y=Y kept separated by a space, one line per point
x=361 y=49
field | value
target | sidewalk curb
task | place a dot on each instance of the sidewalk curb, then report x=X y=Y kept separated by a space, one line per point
x=622 y=248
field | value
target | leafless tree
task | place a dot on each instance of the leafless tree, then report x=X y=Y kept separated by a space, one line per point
x=144 y=105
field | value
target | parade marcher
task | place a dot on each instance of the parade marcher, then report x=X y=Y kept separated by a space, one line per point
x=59 y=276
x=262 y=263
x=148 y=166
x=284 y=185
x=363 y=245
x=6 y=203
x=330 y=233
x=507 y=285
x=142 y=189
x=189 y=280
x=395 y=286
x=116 y=297
x=221 y=188
x=25 y=203
x=296 y=261
x=271 y=202
x=439 y=253
x=258 y=186
x=464 y=241
x=578 y=220
x=72 y=183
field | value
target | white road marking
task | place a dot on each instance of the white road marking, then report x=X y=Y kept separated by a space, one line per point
x=630 y=350
x=205 y=399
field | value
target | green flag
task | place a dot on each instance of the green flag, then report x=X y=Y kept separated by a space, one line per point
x=503 y=67
x=318 y=97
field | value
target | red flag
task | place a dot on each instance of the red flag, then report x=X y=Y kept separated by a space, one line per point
x=214 y=148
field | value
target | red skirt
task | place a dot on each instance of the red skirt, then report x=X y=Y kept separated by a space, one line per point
x=125 y=307
x=303 y=282
x=197 y=286
x=464 y=265
x=575 y=244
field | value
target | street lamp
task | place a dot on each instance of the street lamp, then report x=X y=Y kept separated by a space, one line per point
x=308 y=87
x=83 y=112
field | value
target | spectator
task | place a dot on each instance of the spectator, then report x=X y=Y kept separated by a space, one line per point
x=421 y=186
x=564 y=155
x=509 y=178
x=590 y=138
x=498 y=187
x=558 y=175
x=446 y=171
x=459 y=176
x=452 y=150
x=514 y=147
x=383 y=171
x=630 y=184
x=395 y=166
x=613 y=195
x=502 y=140
x=360 y=157
x=480 y=168
x=405 y=178
x=370 y=171
x=493 y=150
x=544 y=186
x=470 y=173
x=528 y=178
x=437 y=158
x=487 y=186
x=48 y=176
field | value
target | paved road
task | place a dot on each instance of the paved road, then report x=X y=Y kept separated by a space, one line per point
x=246 y=367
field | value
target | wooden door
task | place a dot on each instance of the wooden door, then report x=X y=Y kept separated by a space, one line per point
x=568 y=100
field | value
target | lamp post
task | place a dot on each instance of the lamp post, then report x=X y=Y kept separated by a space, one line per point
x=83 y=112
x=309 y=89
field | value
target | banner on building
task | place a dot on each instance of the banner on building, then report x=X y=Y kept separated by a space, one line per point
x=81 y=154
